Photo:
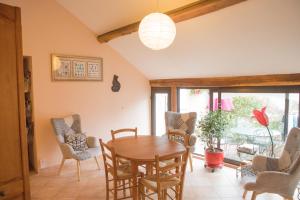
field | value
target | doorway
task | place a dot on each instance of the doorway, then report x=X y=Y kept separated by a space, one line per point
x=28 y=92
x=161 y=102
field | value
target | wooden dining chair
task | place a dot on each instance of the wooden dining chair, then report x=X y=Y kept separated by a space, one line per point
x=176 y=137
x=118 y=132
x=131 y=131
x=167 y=181
x=119 y=175
x=183 y=138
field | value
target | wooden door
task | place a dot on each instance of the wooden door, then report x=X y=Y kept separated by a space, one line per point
x=13 y=148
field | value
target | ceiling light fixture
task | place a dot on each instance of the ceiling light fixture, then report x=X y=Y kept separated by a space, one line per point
x=157 y=31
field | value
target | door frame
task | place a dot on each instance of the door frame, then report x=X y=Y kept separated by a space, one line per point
x=158 y=90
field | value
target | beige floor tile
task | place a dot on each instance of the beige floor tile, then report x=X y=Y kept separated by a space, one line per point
x=199 y=185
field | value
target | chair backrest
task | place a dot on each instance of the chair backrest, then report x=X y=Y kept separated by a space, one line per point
x=182 y=121
x=109 y=159
x=66 y=125
x=171 y=170
x=178 y=136
x=123 y=131
x=292 y=144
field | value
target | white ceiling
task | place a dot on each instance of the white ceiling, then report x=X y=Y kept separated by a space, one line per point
x=250 y=38
x=105 y=15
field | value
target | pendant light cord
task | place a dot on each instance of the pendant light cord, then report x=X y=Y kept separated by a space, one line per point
x=157 y=5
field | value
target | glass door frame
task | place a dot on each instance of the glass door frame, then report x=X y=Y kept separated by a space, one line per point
x=247 y=89
x=158 y=90
x=264 y=89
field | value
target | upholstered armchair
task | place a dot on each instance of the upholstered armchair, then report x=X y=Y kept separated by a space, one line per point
x=278 y=175
x=184 y=123
x=72 y=125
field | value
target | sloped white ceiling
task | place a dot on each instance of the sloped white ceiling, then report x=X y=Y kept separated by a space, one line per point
x=250 y=38
x=105 y=15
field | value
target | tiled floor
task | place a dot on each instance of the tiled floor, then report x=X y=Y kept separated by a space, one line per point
x=199 y=185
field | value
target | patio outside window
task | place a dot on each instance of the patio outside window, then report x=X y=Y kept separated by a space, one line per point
x=244 y=131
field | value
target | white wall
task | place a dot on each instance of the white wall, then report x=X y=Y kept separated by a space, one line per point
x=49 y=28
x=251 y=38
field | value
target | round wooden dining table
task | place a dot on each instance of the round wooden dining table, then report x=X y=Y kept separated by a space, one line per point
x=142 y=150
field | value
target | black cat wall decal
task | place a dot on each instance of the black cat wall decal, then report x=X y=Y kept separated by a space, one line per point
x=116 y=84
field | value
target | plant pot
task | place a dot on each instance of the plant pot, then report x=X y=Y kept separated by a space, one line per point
x=214 y=159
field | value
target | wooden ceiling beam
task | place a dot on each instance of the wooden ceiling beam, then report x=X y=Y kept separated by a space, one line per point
x=235 y=81
x=183 y=13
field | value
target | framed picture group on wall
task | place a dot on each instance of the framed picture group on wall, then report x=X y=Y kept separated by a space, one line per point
x=71 y=68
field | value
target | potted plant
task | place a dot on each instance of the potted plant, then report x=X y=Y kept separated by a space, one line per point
x=212 y=128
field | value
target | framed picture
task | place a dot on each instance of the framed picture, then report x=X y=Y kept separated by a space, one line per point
x=73 y=68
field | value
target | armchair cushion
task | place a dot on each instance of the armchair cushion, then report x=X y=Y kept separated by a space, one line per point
x=92 y=142
x=78 y=141
x=192 y=139
x=67 y=150
x=89 y=153
x=263 y=163
x=182 y=121
x=66 y=126
x=271 y=182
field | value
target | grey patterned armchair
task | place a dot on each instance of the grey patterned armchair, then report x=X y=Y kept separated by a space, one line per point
x=72 y=124
x=278 y=175
x=184 y=123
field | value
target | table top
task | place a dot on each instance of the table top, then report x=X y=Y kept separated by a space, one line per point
x=144 y=148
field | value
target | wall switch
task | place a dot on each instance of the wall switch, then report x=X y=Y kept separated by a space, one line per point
x=42 y=163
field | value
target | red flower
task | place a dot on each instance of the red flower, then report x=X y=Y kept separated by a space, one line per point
x=261 y=116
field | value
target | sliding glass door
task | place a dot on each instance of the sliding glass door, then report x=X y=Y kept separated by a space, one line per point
x=282 y=104
x=194 y=100
x=160 y=103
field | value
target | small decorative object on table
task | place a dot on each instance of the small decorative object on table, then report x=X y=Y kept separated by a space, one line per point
x=71 y=68
x=212 y=128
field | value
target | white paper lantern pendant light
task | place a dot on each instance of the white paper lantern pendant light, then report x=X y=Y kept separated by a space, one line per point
x=157 y=31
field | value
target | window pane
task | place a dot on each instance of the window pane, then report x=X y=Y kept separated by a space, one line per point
x=161 y=106
x=246 y=132
x=293 y=110
x=195 y=100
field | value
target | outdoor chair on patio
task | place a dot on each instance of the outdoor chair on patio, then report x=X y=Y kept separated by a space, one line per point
x=73 y=143
x=278 y=175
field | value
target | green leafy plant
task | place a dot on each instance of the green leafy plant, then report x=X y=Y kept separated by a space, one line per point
x=212 y=128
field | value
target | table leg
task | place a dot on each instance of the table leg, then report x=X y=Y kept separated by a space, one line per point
x=134 y=169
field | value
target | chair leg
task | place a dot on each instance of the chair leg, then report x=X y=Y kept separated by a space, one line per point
x=107 y=189
x=143 y=192
x=61 y=166
x=165 y=195
x=177 y=192
x=130 y=189
x=253 y=195
x=115 y=190
x=244 y=194
x=139 y=192
x=78 y=170
x=191 y=162
x=124 y=190
x=97 y=162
